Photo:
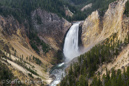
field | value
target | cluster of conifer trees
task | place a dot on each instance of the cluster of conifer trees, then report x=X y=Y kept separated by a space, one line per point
x=22 y=9
x=113 y=78
x=127 y=8
x=101 y=5
x=87 y=64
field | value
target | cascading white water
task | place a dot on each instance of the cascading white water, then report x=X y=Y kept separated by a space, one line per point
x=71 y=48
x=59 y=73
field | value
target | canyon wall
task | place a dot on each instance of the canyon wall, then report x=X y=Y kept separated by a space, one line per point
x=15 y=44
x=52 y=28
x=96 y=28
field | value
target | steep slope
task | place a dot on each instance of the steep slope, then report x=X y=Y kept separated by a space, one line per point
x=51 y=29
x=15 y=40
x=14 y=36
x=31 y=38
x=18 y=52
x=96 y=28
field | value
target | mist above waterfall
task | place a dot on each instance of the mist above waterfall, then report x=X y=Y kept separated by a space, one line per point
x=71 y=48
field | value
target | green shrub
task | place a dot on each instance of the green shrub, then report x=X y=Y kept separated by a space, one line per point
x=30 y=75
x=38 y=61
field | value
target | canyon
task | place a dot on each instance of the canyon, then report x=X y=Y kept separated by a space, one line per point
x=15 y=43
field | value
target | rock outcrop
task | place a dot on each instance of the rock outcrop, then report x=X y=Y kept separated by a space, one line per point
x=97 y=28
x=52 y=28
x=91 y=29
x=88 y=6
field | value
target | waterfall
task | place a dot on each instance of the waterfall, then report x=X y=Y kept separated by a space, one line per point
x=71 y=48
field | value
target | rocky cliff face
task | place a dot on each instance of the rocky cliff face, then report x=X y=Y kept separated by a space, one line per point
x=91 y=29
x=97 y=28
x=51 y=29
